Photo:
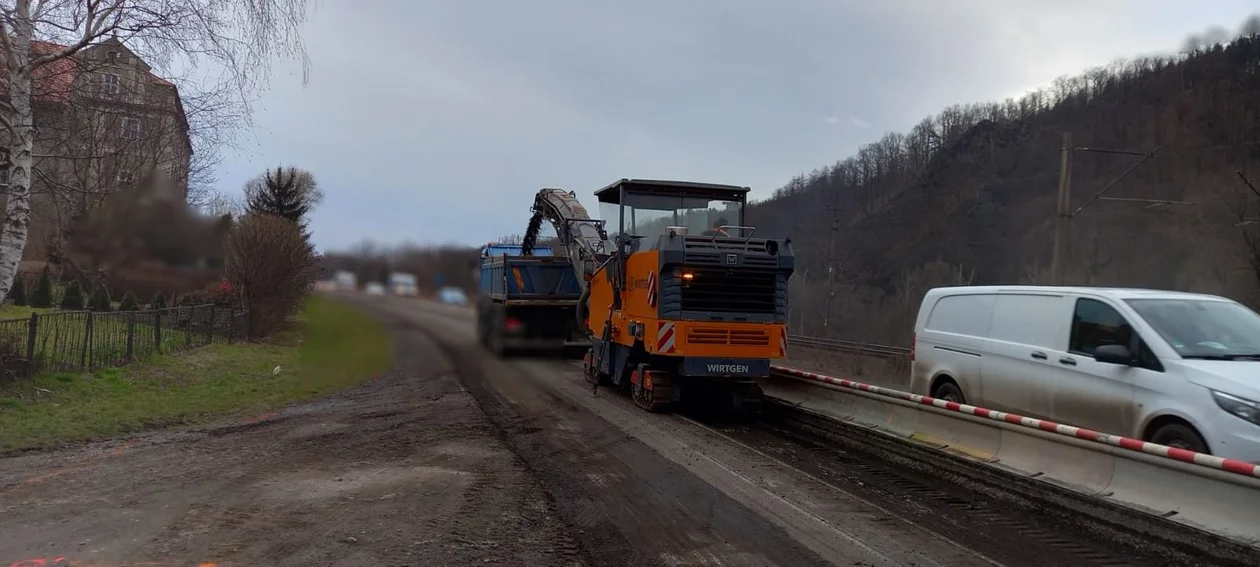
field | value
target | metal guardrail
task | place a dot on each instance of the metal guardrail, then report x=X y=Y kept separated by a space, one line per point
x=1203 y=491
x=853 y=347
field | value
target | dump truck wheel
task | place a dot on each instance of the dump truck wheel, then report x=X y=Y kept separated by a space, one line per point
x=495 y=339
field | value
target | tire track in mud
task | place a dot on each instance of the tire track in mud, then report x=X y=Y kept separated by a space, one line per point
x=599 y=542
x=562 y=547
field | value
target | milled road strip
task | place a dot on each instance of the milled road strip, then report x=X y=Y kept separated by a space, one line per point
x=829 y=521
x=961 y=552
x=609 y=484
x=832 y=523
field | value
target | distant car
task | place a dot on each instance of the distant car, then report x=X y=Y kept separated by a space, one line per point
x=374 y=288
x=452 y=296
x=345 y=280
x=403 y=284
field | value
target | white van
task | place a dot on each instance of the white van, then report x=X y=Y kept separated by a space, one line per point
x=1178 y=369
x=403 y=284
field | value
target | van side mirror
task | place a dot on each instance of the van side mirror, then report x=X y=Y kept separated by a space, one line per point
x=1113 y=354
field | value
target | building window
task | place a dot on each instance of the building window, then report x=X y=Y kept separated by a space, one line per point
x=4 y=168
x=126 y=178
x=131 y=128
x=111 y=56
x=109 y=84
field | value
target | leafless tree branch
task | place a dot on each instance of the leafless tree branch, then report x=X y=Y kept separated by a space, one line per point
x=47 y=45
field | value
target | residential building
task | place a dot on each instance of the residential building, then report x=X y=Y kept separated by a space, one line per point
x=104 y=121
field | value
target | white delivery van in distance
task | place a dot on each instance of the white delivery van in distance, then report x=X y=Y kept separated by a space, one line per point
x=1172 y=368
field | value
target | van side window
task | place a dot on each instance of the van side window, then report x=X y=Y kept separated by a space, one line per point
x=1094 y=324
x=1147 y=359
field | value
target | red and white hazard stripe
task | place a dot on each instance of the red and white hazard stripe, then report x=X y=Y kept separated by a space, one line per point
x=665 y=337
x=1212 y=461
x=651 y=288
x=783 y=345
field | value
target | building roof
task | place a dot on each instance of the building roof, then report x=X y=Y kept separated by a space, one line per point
x=52 y=82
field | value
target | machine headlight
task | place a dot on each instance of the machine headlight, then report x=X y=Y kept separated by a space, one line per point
x=1240 y=407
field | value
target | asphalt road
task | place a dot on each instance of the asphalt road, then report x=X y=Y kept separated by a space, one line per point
x=639 y=488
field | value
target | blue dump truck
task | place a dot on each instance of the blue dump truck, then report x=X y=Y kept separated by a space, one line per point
x=528 y=303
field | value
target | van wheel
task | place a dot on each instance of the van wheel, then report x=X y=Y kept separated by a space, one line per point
x=949 y=391
x=1180 y=436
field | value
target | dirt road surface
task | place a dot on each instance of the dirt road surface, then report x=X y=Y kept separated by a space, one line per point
x=404 y=470
x=455 y=458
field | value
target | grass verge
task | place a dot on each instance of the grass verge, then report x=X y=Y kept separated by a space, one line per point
x=336 y=347
x=10 y=311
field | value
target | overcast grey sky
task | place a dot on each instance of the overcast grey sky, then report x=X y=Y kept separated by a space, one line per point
x=436 y=121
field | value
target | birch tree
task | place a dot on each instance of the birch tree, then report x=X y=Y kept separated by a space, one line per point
x=238 y=38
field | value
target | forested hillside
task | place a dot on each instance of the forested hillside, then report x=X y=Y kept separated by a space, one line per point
x=968 y=196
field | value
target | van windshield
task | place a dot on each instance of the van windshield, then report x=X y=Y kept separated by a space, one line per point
x=1205 y=329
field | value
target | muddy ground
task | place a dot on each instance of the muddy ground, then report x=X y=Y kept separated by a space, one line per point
x=404 y=470
x=455 y=458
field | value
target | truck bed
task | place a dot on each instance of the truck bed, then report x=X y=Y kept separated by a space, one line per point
x=528 y=303
x=534 y=280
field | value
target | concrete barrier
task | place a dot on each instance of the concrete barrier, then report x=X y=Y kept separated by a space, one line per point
x=1218 y=495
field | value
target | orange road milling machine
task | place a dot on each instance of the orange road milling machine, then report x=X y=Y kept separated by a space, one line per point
x=679 y=301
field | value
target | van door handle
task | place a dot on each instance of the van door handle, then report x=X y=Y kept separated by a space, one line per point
x=1039 y=355
x=1067 y=361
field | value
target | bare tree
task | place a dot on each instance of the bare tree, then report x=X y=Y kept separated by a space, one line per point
x=963 y=197
x=433 y=266
x=907 y=286
x=271 y=267
x=218 y=204
x=242 y=37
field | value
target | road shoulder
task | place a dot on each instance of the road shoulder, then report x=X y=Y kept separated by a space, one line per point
x=402 y=470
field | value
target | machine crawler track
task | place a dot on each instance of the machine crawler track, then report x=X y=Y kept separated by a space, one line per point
x=651 y=390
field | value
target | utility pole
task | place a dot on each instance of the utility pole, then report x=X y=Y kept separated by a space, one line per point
x=831 y=262
x=1060 y=215
x=793 y=307
x=1064 y=213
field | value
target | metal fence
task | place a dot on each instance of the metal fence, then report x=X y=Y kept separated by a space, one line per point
x=76 y=341
x=851 y=347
